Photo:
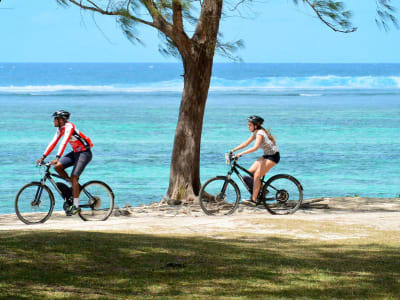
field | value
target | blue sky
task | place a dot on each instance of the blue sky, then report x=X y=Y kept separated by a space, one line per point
x=273 y=31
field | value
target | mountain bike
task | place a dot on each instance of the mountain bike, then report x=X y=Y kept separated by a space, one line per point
x=281 y=194
x=34 y=202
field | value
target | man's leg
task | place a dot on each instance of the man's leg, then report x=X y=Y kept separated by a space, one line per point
x=75 y=189
x=60 y=169
x=65 y=162
x=81 y=161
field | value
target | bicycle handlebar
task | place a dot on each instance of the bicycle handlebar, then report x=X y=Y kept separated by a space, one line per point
x=43 y=163
x=230 y=157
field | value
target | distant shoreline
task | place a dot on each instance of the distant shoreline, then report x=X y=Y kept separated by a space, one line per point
x=218 y=63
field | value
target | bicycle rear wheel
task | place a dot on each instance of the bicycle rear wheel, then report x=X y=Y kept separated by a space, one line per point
x=282 y=194
x=219 y=196
x=96 y=201
x=34 y=203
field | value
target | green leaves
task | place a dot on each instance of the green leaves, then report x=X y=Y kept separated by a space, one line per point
x=332 y=13
x=229 y=48
x=160 y=14
x=385 y=13
x=128 y=26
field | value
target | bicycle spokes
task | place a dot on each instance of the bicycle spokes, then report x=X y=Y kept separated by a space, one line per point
x=34 y=203
x=282 y=195
x=219 y=196
x=96 y=201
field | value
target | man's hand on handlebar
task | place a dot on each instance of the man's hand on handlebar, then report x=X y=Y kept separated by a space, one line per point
x=41 y=162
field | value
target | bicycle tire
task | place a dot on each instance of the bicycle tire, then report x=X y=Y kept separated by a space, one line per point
x=282 y=194
x=31 y=210
x=96 y=200
x=210 y=198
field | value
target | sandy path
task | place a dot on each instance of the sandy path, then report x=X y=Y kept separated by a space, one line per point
x=377 y=213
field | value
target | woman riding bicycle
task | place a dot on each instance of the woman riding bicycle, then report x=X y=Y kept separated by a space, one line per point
x=271 y=157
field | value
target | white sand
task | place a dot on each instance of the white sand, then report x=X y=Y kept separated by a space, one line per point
x=348 y=212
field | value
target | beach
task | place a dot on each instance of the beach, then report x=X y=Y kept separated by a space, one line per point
x=354 y=216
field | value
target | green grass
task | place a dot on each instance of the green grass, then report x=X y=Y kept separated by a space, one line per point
x=93 y=265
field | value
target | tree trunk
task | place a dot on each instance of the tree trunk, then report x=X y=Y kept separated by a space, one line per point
x=184 y=182
x=197 y=57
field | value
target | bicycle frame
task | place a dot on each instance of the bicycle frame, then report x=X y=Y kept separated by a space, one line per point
x=48 y=176
x=234 y=169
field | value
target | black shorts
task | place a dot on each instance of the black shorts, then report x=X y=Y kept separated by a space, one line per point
x=275 y=157
x=77 y=159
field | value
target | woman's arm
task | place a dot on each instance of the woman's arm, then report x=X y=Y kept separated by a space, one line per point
x=244 y=144
x=254 y=148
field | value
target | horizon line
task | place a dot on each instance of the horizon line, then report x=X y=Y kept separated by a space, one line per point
x=164 y=62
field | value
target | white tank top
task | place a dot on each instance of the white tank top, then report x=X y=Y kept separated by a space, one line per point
x=266 y=144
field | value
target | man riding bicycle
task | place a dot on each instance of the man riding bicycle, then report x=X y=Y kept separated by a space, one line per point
x=78 y=158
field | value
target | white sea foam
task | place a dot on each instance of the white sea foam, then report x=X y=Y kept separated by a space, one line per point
x=257 y=84
x=310 y=95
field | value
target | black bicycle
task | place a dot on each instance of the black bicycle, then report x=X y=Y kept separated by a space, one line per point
x=281 y=194
x=34 y=202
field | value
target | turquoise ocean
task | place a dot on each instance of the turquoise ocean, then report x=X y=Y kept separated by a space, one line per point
x=337 y=125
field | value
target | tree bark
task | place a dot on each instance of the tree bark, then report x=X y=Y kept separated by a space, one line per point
x=184 y=182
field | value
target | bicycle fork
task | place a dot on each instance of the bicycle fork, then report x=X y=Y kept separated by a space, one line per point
x=225 y=185
x=36 y=201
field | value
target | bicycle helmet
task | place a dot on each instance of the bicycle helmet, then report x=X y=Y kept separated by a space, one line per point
x=255 y=120
x=61 y=114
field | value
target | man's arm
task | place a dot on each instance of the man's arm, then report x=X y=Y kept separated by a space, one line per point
x=69 y=130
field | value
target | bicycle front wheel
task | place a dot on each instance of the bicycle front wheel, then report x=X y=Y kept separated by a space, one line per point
x=96 y=201
x=282 y=194
x=34 y=203
x=219 y=196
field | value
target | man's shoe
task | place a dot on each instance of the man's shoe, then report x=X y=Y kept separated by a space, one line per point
x=73 y=210
x=249 y=202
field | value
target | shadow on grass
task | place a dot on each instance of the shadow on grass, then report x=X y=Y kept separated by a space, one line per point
x=71 y=265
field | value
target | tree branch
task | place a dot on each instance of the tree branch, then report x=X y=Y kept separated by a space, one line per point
x=325 y=21
x=208 y=23
x=177 y=14
x=238 y=4
x=158 y=20
x=97 y=9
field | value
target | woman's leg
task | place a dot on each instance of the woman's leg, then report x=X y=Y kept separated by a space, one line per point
x=256 y=165
x=263 y=169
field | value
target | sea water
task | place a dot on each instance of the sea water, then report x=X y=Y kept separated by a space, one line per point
x=337 y=125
